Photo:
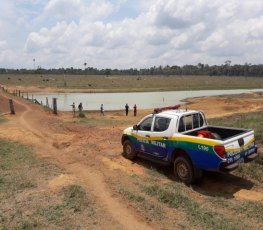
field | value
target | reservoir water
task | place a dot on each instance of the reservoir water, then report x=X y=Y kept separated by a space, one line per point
x=117 y=101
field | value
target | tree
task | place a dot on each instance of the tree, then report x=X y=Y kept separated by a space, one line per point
x=85 y=64
x=227 y=64
x=107 y=72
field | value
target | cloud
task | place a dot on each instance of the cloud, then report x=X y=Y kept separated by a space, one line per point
x=125 y=33
x=58 y=9
x=3 y=44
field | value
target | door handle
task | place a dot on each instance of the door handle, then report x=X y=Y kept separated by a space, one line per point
x=165 y=138
x=147 y=135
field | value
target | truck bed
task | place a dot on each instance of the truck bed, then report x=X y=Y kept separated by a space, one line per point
x=220 y=132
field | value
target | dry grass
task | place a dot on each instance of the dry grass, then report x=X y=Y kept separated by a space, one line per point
x=130 y=83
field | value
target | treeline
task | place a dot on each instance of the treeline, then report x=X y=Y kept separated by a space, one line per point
x=200 y=69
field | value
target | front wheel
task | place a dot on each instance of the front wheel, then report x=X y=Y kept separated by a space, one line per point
x=128 y=150
x=183 y=170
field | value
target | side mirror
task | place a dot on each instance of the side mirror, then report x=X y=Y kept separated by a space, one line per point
x=135 y=127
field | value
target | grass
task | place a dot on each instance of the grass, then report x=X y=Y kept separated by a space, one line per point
x=13 y=155
x=129 y=190
x=139 y=202
x=253 y=170
x=25 y=206
x=251 y=209
x=93 y=120
x=131 y=83
x=53 y=213
x=153 y=199
x=75 y=198
x=249 y=121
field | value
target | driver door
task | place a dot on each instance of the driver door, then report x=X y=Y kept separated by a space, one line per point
x=143 y=134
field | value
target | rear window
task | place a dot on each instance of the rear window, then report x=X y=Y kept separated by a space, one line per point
x=192 y=121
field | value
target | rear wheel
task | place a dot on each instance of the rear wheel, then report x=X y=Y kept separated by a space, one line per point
x=183 y=170
x=128 y=150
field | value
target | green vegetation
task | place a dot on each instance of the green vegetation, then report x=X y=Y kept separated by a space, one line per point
x=92 y=120
x=174 y=205
x=53 y=213
x=75 y=198
x=139 y=202
x=196 y=214
x=249 y=121
x=25 y=206
x=12 y=156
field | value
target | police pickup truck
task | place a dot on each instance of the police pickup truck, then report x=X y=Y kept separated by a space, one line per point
x=183 y=138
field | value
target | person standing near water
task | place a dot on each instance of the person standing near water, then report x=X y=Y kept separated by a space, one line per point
x=101 y=110
x=73 y=109
x=135 y=110
x=80 y=107
x=127 y=109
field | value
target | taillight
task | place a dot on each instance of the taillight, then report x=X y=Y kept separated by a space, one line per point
x=220 y=150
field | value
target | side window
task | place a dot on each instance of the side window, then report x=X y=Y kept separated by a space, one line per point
x=146 y=124
x=161 y=124
x=188 y=121
x=196 y=120
x=181 y=125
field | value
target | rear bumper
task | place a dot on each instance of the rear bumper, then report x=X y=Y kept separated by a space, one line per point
x=251 y=157
x=227 y=167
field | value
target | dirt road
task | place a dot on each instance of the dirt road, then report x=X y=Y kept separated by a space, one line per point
x=91 y=155
x=31 y=125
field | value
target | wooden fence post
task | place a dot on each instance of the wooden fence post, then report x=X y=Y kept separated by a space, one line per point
x=55 y=111
x=12 y=109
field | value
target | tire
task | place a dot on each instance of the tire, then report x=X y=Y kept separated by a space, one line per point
x=183 y=170
x=128 y=150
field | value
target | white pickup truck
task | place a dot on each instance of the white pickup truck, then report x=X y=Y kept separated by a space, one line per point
x=184 y=139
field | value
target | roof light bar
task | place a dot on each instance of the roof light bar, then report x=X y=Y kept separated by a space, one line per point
x=158 y=110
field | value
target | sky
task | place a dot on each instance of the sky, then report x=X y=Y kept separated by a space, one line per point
x=129 y=33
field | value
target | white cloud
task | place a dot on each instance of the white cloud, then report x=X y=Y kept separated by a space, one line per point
x=3 y=44
x=71 y=32
x=60 y=8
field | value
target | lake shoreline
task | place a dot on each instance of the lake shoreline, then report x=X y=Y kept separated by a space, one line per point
x=117 y=101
